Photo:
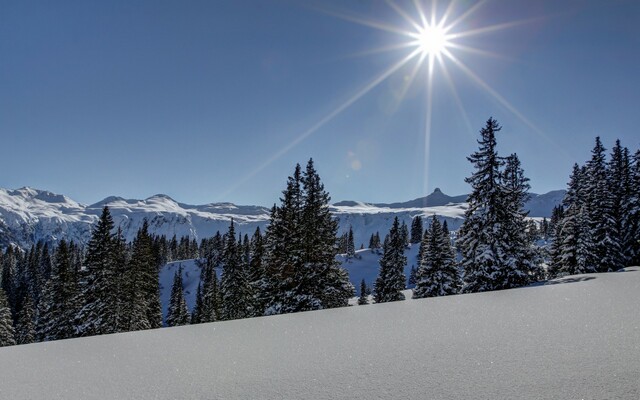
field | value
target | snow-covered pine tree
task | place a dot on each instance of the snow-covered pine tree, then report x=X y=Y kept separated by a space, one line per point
x=599 y=208
x=520 y=260
x=178 y=314
x=412 y=276
x=141 y=309
x=257 y=273
x=211 y=309
x=363 y=299
x=58 y=305
x=437 y=274
x=323 y=283
x=417 y=229
x=7 y=332
x=619 y=192
x=8 y=277
x=283 y=246
x=99 y=313
x=237 y=297
x=633 y=224
x=482 y=246
x=391 y=279
x=25 y=331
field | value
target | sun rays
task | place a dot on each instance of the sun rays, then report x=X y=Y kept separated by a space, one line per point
x=432 y=39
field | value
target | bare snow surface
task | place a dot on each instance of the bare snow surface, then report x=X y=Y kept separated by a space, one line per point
x=576 y=339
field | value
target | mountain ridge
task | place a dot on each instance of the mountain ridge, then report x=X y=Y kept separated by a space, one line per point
x=28 y=215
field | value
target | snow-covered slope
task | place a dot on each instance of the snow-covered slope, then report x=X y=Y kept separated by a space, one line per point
x=574 y=339
x=28 y=215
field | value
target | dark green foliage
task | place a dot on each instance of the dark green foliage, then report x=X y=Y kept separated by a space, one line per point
x=301 y=270
x=237 y=297
x=391 y=279
x=178 y=313
x=416 y=229
x=437 y=274
x=363 y=299
x=25 y=331
x=7 y=333
x=496 y=254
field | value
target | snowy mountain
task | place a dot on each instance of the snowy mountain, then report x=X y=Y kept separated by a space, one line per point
x=28 y=215
x=572 y=338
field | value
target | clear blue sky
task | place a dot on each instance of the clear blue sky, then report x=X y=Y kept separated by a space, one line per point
x=188 y=98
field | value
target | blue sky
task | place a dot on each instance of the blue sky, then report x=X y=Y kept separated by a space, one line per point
x=198 y=99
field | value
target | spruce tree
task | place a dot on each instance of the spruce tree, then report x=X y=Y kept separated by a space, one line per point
x=363 y=299
x=178 y=314
x=236 y=292
x=257 y=273
x=391 y=279
x=599 y=217
x=482 y=246
x=520 y=261
x=7 y=333
x=351 y=248
x=437 y=274
x=99 y=314
x=633 y=224
x=322 y=283
x=416 y=230
x=25 y=332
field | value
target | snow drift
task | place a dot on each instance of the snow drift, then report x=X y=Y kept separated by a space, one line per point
x=577 y=337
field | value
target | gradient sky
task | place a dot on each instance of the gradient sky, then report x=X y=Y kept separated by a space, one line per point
x=197 y=99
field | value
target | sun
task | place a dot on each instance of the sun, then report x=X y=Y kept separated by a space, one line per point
x=431 y=40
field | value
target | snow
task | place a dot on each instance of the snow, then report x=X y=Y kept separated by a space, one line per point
x=576 y=339
x=28 y=215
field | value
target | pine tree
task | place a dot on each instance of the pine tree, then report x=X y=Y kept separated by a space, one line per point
x=197 y=309
x=301 y=270
x=391 y=279
x=520 y=261
x=619 y=192
x=99 y=315
x=404 y=233
x=236 y=292
x=141 y=290
x=257 y=273
x=7 y=333
x=323 y=283
x=363 y=299
x=437 y=274
x=59 y=303
x=416 y=229
x=483 y=250
x=351 y=248
x=178 y=314
x=633 y=224
x=25 y=332
x=599 y=210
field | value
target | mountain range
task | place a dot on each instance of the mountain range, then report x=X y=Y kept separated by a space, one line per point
x=28 y=215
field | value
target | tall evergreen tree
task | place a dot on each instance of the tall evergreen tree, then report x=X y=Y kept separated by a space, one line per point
x=99 y=315
x=417 y=229
x=437 y=274
x=351 y=248
x=599 y=210
x=483 y=250
x=391 y=279
x=236 y=292
x=25 y=332
x=7 y=332
x=59 y=303
x=178 y=314
x=364 y=298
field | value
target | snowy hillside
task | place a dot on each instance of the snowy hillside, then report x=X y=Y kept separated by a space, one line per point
x=574 y=339
x=28 y=215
